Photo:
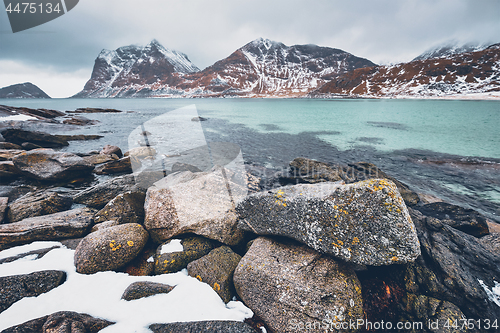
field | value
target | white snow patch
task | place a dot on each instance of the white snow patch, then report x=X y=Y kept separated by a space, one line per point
x=151 y=259
x=21 y=117
x=99 y=295
x=173 y=246
x=494 y=293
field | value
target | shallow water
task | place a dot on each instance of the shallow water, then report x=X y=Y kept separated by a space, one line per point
x=446 y=148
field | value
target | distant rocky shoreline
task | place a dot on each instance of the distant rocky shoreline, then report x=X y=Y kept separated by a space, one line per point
x=331 y=245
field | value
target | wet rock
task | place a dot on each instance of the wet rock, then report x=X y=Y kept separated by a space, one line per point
x=122 y=165
x=94 y=110
x=4 y=203
x=203 y=326
x=14 y=192
x=8 y=154
x=110 y=248
x=46 y=140
x=49 y=165
x=198 y=119
x=99 y=195
x=8 y=170
x=80 y=137
x=362 y=171
x=144 y=289
x=80 y=121
x=110 y=150
x=68 y=224
x=441 y=314
x=304 y=170
x=30 y=146
x=126 y=207
x=38 y=204
x=466 y=220
x=201 y=203
x=171 y=262
x=285 y=282
x=455 y=267
x=98 y=159
x=16 y=287
x=176 y=167
x=365 y=223
x=59 y=322
x=8 y=145
x=216 y=269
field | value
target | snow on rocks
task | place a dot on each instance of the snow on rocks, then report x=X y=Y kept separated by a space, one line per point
x=365 y=223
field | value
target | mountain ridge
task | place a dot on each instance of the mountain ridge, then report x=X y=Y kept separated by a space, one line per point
x=22 y=90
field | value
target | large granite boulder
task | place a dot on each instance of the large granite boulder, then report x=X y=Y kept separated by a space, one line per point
x=216 y=269
x=99 y=195
x=455 y=267
x=202 y=203
x=61 y=322
x=365 y=223
x=110 y=150
x=49 y=165
x=123 y=165
x=110 y=248
x=211 y=326
x=19 y=136
x=68 y=224
x=14 y=288
x=289 y=284
x=38 y=204
x=145 y=289
x=126 y=207
x=171 y=257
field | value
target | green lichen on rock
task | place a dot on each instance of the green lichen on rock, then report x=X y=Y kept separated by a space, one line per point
x=365 y=223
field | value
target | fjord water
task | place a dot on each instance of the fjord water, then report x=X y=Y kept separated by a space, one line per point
x=446 y=148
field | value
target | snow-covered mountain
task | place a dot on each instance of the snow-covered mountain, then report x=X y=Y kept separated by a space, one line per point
x=124 y=71
x=261 y=68
x=22 y=90
x=451 y=48
x=469 y=73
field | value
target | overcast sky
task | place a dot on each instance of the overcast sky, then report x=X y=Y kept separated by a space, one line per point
x=58 y=56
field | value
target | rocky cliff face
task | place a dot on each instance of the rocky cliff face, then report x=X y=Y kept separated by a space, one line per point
x=262 y=68
x=22 y=90
x=454 y=75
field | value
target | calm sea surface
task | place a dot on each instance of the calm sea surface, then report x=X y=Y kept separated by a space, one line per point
x=450 y=149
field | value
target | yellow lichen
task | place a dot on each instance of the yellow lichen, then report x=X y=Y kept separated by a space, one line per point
x=199 y=278
x=216 y=286
x=130 y=243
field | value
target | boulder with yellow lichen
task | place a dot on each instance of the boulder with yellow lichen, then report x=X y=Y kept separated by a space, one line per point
x=365 y=223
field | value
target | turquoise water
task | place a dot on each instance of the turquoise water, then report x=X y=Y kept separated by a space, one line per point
x=450 y=149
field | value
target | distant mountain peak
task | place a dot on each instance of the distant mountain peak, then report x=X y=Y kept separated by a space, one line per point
x=451 y=48
x=22 y=90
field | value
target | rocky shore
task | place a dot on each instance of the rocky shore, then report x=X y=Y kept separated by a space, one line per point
x=334 y=248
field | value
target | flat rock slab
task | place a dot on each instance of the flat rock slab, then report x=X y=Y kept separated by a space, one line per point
x=203 y=326
x=38 y=204
x=16 y=287
x=46 y=140
x=69 y=224
x=291 y=283
x=59 y=322
x=50 y=165
x=366 y=222
x=201 y=203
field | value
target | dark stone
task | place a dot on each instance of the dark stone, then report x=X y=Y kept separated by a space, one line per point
x=30 y=146
x=203 y=326
x=14 y=192
x=79 y=137
x=38 y=204
x=8 y=170
x=198 y=119
x=8 y=145
x=194 y=248
x=110 y=150
x=99 y=195
x=451 y=265
x=4 y=203
x=184 y=167
x=61 y=322
x=94 y=110
x=16 y=287
x=71 y=243
x=126 y=207
x=466 y=220
x=49 y=165
x=122 y=165
x=304 y=170
x=110 y=248
x=80 y=121
x=46 y=140
x=143 y=264
x=39 y=254
x=144 y=289
x=216 y=269
x=68 y=224
x=98 y=159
